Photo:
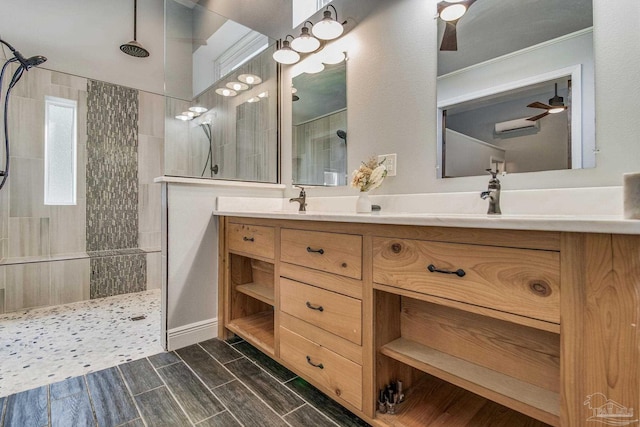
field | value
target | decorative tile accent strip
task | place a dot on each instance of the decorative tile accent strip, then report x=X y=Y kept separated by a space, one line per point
x=116 y=275
x=112 y=167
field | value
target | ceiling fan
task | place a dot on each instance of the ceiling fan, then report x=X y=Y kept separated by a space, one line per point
x=556 y=105
x=450 y=11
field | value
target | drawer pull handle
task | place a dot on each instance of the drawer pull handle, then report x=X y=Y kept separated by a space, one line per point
x=248 y=239
x=317 y=251
x=319 y=365
x=432 y=268
x=318 y=308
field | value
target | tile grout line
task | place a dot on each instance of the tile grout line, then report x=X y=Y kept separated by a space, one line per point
x=133 y=398
x=93 y=409
x=169 y=388
x=282 y=382
x=208 y=388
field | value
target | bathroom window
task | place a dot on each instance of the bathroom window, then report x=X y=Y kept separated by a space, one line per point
x=60 y=139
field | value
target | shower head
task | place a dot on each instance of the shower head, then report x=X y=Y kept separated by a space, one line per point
x=34 y=61
x=134 y=48
x=27 y=63
x=342 y=135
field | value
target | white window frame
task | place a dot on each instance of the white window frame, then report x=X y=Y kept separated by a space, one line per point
x=68 y=103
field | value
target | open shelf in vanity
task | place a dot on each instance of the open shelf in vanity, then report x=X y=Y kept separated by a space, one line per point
x=251 y=312
x=483 y=361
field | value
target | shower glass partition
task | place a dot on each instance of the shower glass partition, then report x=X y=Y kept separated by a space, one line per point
x=221 y=116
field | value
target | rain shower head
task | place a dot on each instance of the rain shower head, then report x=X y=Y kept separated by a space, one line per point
x=342 y=135
x=133 y=48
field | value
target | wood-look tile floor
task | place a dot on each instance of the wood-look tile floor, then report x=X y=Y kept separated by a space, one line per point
x=213 y=383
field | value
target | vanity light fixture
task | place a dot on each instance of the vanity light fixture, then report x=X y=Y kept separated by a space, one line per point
x=263 y=95
x=250 y=79
x=254 y=99
x=328 y=28
x=305 y=42
x=453 y=12
x=192 y=113
x=286 y=55
x=198 y=110
x=226 y=92
x=237 y=86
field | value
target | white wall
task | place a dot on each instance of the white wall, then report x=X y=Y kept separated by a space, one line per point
x=391 y=79
x=84 y=37
x=472 y=155
x=191 y=254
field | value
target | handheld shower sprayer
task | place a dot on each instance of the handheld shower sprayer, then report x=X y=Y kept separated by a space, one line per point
x=25 y=65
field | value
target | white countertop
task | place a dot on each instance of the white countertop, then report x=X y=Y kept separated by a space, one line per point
x=589 y=224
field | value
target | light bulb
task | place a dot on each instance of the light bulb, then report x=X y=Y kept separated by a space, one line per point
x=555 y=110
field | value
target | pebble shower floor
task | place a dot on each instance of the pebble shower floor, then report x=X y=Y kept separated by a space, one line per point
x=46 y=345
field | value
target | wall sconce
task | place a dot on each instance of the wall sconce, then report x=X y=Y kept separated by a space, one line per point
x=237 y=86
x=305 y=42
x=286 y=55
x=226 y=92
x=193 y=112
x=328 y=28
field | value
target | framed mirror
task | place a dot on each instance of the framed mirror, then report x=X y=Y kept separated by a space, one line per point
x=497 y=74
x=319 y=121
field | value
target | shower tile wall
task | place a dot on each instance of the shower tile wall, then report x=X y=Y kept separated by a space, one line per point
x=244 y=134
x=318 y=149
x=43 y=249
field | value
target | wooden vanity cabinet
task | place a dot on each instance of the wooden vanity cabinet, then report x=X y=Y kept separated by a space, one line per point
x=481 y=326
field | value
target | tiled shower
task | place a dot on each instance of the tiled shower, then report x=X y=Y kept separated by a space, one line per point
x=108 y=243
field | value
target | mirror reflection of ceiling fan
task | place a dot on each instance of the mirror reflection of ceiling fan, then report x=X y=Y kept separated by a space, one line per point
x=556 y=105
x=450 y=11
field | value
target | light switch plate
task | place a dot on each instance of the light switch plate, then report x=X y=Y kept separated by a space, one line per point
x=391 y=162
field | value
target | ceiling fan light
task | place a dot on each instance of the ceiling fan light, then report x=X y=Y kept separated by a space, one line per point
x=305 y=42
x=286 y=55
x=328 y=28
x=556 y=110
x=453 y=12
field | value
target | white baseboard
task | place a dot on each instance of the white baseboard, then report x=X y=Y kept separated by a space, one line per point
x=193 y=333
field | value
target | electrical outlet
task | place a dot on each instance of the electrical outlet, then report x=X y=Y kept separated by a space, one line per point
x=391 y=162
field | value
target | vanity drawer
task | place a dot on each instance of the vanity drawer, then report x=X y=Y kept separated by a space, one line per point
x=332 y=252
x=340 y=377
x=339 y=314
x=519 y=281
x=251 y=239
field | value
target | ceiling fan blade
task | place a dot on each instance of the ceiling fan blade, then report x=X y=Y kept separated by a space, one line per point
x=539 y=105
x=538 y=117
x=450 y=38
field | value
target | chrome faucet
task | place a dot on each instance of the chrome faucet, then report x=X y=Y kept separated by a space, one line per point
x=493 y=193
x=302 y=199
